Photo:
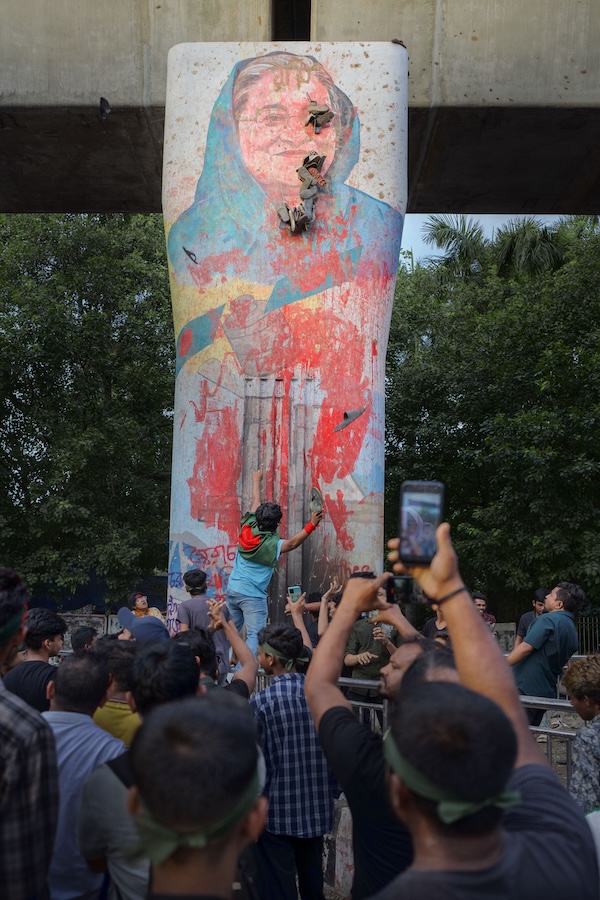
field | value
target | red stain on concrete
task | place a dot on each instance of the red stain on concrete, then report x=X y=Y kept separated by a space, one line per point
x=339 y=513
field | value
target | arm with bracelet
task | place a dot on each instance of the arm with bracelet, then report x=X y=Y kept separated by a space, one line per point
x=301 y=536
x=472 y=640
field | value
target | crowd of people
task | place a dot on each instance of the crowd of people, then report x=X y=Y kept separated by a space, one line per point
x=149 y=765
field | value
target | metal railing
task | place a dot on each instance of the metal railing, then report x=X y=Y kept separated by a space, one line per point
x=588 y=631
x=558 y=741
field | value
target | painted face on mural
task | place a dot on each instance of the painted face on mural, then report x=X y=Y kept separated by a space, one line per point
x=272 y=134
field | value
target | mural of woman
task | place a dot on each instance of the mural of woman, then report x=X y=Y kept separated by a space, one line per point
x=280 y=334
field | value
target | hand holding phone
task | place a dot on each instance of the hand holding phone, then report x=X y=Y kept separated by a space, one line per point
x=294 y=593
x=421 y=511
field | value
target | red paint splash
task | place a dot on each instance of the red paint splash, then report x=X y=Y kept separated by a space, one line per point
x=185 y=342
x=217 y=467
x=339 y=513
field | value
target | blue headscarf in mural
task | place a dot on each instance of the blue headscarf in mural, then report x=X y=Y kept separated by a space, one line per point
x=231 y=229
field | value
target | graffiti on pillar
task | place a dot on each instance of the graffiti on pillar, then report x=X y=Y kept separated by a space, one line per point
x=283 y=193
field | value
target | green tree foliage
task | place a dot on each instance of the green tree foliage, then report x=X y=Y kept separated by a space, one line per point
x=466 y=249
x=527 y=247
x=493 y=388
x=86 y=387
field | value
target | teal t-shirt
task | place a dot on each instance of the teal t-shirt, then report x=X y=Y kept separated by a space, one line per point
x=256 y=557
x=554 y=639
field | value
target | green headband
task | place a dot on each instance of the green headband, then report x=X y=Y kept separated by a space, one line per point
x=289 y=663
x=450 y=808
x=12 y=626
x=158 y=841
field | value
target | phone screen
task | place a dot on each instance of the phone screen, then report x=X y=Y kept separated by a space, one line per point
x=421 y=511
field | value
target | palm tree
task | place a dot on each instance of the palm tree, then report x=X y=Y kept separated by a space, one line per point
x=525 y=246
x=463 y=241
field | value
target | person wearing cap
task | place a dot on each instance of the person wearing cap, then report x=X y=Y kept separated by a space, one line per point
x=145 y=630
x=299 y=784
x=138 y=604
x=484 y=809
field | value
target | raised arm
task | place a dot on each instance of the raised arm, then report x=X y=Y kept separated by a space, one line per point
x=300 y=537
x=323 y=620
x=315 y=606
x=478 y=656
x=297 y=609
x=256 y=480
x=321 y=688
x=249 y=663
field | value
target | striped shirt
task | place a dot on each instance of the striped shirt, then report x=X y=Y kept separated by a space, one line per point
x=299 y=785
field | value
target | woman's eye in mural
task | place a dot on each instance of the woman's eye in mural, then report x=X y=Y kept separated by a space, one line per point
x=277 y=121
x=274 y=120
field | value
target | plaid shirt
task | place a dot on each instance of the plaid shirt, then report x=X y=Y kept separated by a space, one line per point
x=299 y=784
x=28 y=799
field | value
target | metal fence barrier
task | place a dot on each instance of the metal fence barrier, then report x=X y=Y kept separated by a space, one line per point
x=558 y=741
x=588 y=631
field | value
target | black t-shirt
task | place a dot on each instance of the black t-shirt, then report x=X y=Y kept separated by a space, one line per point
x=524 y=623
x=382 y=846
x=28 y=681
x=549 y=853
x=430 y=629
x=239 y=687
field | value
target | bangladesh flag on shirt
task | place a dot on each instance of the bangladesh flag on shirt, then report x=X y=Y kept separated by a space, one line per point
x=257 y=545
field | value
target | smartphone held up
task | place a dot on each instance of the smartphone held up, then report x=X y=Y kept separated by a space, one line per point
x=421 y=511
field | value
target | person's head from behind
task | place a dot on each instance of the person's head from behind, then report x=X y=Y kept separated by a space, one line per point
x=565 y=596
x=268 y=516
x=451 y=754
x=391 y=676
x=118 y=656
x=195 y=769
x=366 y=574
x=161 y=673
x=14 y=598
x=45 y=632
x=279 y=646
x=80 y=685
x=202 y=645
x=431 y=665
x=195 y=582
x=83 y=638
x=582 y=683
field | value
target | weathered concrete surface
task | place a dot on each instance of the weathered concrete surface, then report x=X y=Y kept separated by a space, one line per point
x=504 y=97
